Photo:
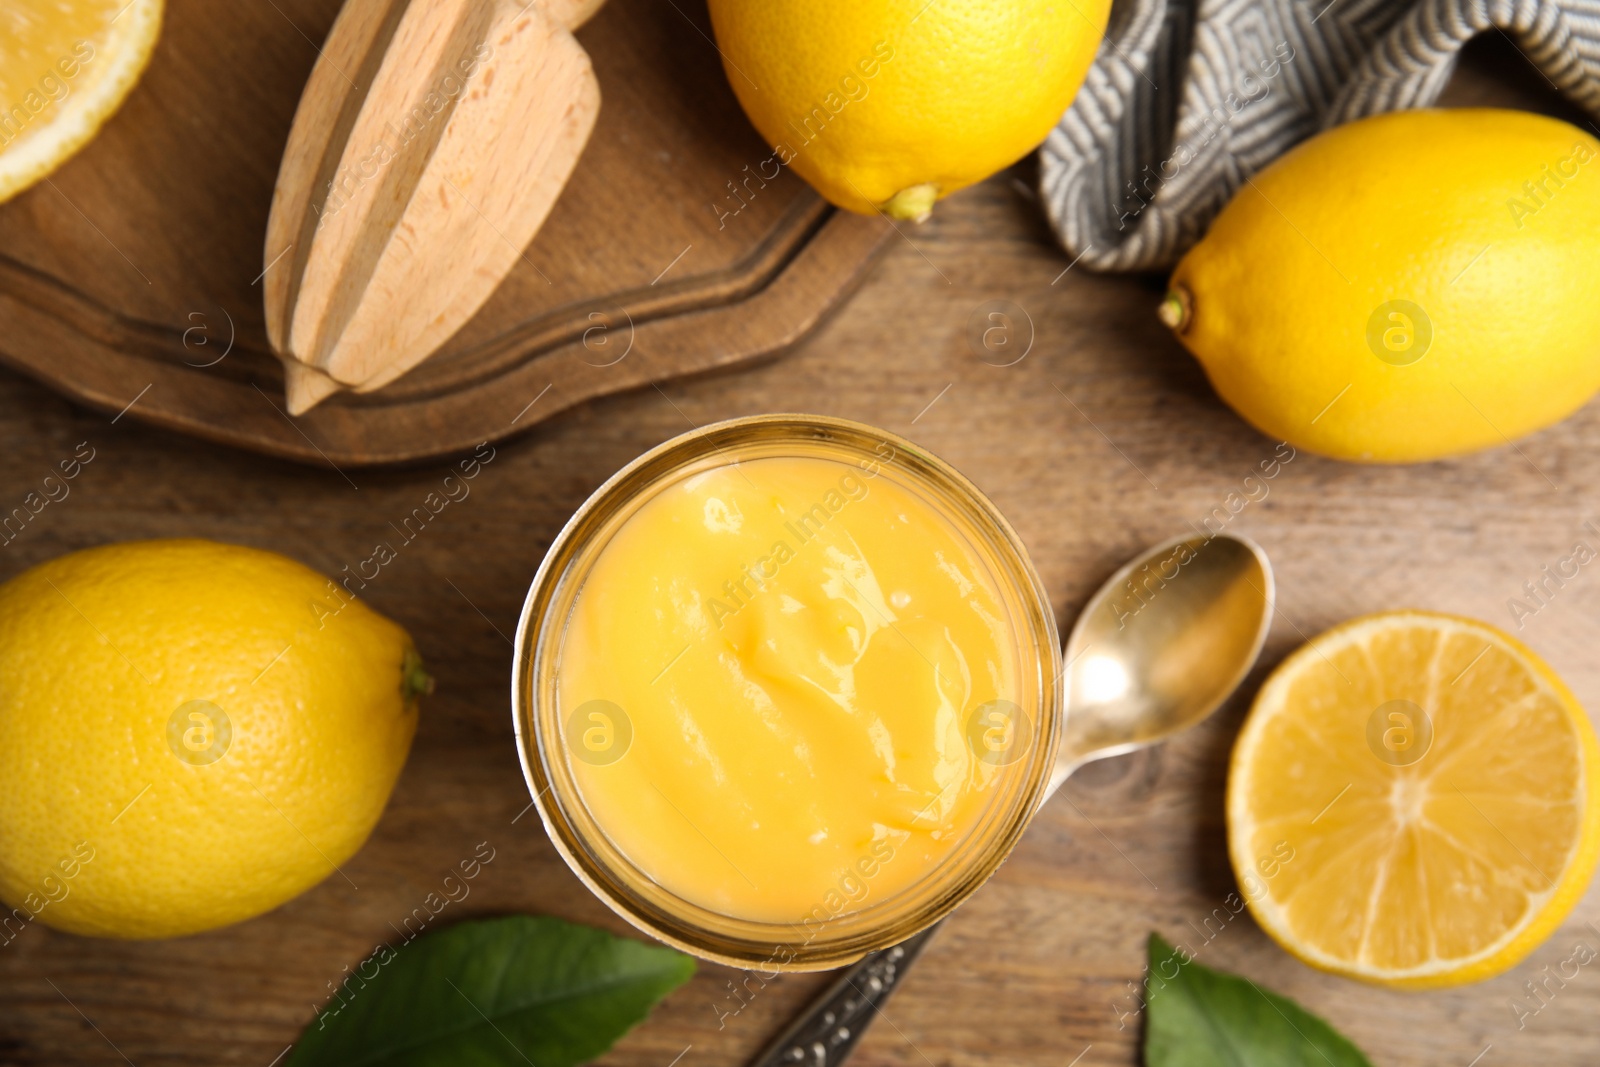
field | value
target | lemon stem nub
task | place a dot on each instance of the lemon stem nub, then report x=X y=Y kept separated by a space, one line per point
x=414 y=681
x=912 y=204
x=1176 y=310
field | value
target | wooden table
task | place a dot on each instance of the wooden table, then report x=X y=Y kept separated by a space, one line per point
x=1104 y=438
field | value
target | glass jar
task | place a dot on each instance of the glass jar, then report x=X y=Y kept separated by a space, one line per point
x=828 y=938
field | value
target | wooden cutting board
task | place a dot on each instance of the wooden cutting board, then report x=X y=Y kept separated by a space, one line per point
x=131 y=280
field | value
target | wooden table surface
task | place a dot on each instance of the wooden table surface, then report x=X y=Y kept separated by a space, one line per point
x=1104 y=438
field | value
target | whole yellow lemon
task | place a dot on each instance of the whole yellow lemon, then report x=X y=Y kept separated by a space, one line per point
x=1406 y=287
x=191 y=734
x=888 y=105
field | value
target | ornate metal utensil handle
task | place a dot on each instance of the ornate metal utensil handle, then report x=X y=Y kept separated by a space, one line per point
x=827 y=1031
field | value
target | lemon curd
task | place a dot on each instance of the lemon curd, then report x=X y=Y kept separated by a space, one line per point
x=789 y=687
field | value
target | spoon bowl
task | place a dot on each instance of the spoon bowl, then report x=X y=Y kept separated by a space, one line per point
x=1162 y=644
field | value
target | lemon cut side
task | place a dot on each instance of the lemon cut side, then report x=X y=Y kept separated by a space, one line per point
x=1434 y=786
x=65 y=67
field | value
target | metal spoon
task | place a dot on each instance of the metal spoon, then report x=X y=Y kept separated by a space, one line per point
x=1159 y=647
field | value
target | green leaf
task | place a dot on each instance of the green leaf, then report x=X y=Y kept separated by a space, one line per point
x=1197 y=1017
x=494 y=993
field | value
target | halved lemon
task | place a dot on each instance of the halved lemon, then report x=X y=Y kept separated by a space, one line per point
x=65 y=66
x=1414 y=801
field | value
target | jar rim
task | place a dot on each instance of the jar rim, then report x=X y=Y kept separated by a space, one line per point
x=651 y=908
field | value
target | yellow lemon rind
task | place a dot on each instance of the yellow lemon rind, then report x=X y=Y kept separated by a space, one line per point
x=1353 y=220
x=102 y=647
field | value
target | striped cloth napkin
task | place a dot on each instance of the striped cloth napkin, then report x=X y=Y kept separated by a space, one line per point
x=1188 y=98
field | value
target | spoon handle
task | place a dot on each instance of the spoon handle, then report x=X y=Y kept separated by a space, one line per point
x=826 y=1033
